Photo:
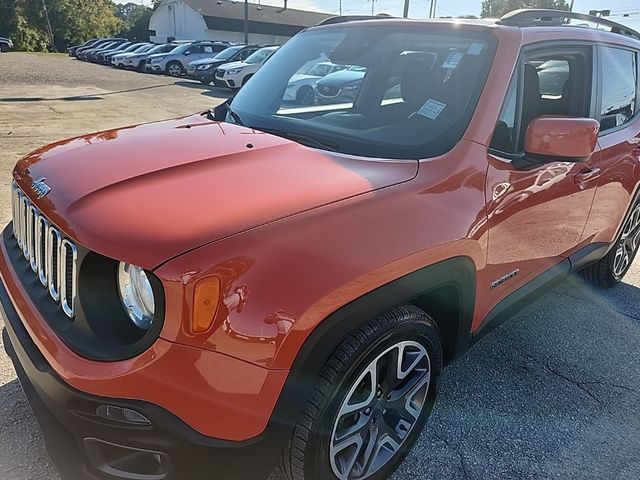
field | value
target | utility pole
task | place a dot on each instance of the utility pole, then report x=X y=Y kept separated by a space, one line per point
x=373 y=2
x=434 y=4
x=406 y=9
x=340 y=7
x=46 y=14
x=571 y=6
x=246 y=22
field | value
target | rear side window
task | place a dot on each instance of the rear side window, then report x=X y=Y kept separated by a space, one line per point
x=619 y=87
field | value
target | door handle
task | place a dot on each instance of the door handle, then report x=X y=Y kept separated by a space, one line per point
x=586 y=176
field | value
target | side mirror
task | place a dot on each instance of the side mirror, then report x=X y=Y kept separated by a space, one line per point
x=187 y=53
x=568 y=139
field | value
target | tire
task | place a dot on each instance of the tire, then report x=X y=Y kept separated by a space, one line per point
x=4 y=48
x=174 y=69
x=246 y=79
x=611 y=269
x=305 y=95
x=141 y=65
x=312 y=453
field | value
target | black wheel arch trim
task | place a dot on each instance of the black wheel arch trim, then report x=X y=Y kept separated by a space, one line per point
x=458 y=273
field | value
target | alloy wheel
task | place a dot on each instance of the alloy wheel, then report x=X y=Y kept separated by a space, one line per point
x=628 y=243
x=381 y=408
x=175 y=70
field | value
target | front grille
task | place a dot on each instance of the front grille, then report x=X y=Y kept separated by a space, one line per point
x=52 y=257
x=328 y=91
x=220 y=73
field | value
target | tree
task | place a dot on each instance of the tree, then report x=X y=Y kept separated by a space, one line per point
x=497 y=8
x=135 y=20
x=72 y=22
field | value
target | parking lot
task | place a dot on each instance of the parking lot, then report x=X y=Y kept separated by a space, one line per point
x=553 y=393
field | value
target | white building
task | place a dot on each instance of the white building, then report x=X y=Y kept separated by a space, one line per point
x=224 y=20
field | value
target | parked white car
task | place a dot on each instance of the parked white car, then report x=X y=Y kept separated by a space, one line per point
x=118 y=60
x=236 y=74
x=301 y=87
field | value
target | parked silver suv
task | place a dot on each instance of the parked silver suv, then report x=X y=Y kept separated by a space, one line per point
x=174 y=63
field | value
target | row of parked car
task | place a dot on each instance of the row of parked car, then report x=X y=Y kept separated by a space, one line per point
x=200 y=60
x=225 y=65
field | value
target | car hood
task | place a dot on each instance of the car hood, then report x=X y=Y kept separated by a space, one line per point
x=158 y=55
x=203 y=61
x=298 y=77
x=147 y=193
x=341 y=78
x=232 y=65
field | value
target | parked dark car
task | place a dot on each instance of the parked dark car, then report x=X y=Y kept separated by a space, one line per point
x=5 y=44
x=105 y=57
x=83 y=53
x=89 y=43
x=340 y=86
x=205 y=69
x=96 y=56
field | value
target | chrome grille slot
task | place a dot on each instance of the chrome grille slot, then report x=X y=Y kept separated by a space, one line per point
x=32 y=216
x=68 y=260
x=24 y=209
x=51 y=256
x=53 y=262
x=42 y=225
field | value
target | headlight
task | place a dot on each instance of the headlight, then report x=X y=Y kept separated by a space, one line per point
x=204 y=67
x=136 y=294
x=234 y=71
x=156 y=60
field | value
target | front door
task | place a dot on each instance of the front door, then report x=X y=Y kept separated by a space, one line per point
x=537 y=213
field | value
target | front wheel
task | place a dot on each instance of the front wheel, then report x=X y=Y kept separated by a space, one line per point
x=371 y=401
x=305 y=95
x=611 y=269
x=174 y=69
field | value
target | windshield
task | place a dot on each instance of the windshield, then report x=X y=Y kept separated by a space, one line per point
x=160 y=49
x=181 y=48
x=129 y=48
x=397 y=91
x=259 y=56
x=143 y=49
x=227 y=53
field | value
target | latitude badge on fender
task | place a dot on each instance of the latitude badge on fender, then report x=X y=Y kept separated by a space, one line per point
x=40 y=188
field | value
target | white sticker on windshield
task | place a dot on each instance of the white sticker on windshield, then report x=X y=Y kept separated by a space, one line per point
x=452 y=60
x=431 y=109
x=475 y=49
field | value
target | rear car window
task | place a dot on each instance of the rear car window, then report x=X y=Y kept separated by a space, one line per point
x=619 y=74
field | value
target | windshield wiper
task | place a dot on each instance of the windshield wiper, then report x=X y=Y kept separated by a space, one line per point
x=236 y=118
x=302 y=138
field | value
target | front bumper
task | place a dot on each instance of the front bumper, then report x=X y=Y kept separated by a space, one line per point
x=223 y=82
x=154 y=68
x=84 y=445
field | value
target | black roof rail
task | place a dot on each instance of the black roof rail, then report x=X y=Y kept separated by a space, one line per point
x=353 y=18
x=544 y=17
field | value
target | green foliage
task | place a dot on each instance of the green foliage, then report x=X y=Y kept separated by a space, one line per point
x=72 y=22
x=135 y=21
x=497 y=8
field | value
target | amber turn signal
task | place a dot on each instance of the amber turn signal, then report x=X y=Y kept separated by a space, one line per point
x=206 y=298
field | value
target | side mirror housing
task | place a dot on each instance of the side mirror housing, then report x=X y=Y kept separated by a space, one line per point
x=556 y=138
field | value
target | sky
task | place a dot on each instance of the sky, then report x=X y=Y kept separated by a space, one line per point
x=454 y=8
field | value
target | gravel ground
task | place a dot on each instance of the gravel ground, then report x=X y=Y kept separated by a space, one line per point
x=552 y=394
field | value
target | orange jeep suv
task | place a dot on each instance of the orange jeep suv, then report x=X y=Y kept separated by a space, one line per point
x=277 y=282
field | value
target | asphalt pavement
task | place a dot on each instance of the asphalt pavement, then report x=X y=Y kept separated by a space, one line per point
x=552 y=394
